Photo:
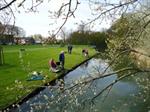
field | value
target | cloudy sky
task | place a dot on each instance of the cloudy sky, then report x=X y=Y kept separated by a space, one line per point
x=39 y=22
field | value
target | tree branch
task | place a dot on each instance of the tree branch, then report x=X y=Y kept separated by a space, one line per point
x=105 y=75
x=115 y=7
x=7 y=5
x=133 y=50
x=117 y=80
x=69 y=13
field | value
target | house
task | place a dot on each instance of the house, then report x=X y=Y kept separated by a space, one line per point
x=24 y=40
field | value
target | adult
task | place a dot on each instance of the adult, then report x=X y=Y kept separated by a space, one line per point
x=70 y=48
x=85 y=52
x=53 y=66
x=62 y=59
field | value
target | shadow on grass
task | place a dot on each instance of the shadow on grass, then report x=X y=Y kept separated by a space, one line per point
x=6 y=66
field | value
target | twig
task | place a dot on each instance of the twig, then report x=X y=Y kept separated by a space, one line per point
x=116 y=7
x=7 y=5
x=117 y=80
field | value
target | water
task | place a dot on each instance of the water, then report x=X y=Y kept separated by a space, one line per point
x=119 y=99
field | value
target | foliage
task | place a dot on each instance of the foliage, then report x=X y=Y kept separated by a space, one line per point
x=88 y=38
x=37 y=37
x=124 y=35
x=129 y=31
x=12 y=30
x=4 y=39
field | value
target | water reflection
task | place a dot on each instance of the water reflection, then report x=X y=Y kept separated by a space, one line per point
x=119 y=99
x=84 y=65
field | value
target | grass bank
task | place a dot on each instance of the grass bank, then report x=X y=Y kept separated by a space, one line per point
x=18 y=65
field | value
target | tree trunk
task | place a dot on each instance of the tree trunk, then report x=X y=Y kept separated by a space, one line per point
x=1 y=56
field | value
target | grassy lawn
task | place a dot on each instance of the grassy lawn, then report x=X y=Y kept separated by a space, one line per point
x=14 y=73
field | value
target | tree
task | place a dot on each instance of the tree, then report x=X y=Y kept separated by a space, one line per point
x=7 y=33
x=14 y=30
x=51 y=39
x=37 y=37
x=128 y=33
x=1 y=27
x=96 y=39
x=1 y=56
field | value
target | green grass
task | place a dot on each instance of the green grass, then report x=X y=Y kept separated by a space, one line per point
x=35 y=58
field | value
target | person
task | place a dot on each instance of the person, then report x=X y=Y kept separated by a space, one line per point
x=62 y=59
x=53 y=66
x=85 y=52
x=70 y=48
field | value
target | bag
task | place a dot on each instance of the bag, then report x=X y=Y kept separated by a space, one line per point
x=57 y=63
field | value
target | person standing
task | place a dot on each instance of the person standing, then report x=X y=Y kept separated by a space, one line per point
x=62 y=59
x=70 y=48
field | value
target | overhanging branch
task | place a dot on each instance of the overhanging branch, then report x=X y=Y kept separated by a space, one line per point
x=7 y=5
x=117 y=80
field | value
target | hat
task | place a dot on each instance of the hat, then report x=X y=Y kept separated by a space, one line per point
x=62 y=52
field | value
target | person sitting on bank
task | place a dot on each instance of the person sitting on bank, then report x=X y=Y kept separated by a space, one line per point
x=85 y=52
x=54 y=67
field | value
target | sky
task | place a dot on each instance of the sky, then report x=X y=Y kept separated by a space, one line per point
x=39 y=22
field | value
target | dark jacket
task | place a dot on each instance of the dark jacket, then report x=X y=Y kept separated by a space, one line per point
x=61 y=57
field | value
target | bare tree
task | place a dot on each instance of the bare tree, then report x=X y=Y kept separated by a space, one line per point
x=103 y=10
